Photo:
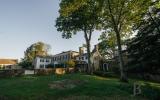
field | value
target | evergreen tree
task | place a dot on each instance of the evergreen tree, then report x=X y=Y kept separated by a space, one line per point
x=144 y=49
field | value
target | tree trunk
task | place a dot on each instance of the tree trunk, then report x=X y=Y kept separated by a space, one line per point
x=89 y=70
x=123 y=78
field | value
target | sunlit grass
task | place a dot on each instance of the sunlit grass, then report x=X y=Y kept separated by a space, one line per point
x=91 y=88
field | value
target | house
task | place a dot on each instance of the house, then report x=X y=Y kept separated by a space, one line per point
x=8 y=63
x=97 y=61
x=42 y=62
x=80 y=58
x=64 y=57
x=96 y=58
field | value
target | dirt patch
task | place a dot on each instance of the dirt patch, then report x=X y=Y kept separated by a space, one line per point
x=66 y=84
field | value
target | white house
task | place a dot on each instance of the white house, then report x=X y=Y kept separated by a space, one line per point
x=80 y=58
x=41 y=62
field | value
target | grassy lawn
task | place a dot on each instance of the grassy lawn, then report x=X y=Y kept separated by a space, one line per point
x=73 y=87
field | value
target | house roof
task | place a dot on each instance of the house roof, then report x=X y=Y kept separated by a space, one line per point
x=85 y=54
x=66 y=52
x=50 y=56
x=8 y=61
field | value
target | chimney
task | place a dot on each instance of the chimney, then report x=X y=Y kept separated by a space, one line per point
x=81 y=50
x=96 y=47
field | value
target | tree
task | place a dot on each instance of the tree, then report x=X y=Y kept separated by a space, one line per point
x=144 y=48
x=76 y=16
x=36 y=49
x=119 y=16
x=25 y=64
x=107 y=45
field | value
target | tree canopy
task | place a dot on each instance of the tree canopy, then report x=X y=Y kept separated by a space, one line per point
x=36 y=49
x=76 y=16
x=144 y=48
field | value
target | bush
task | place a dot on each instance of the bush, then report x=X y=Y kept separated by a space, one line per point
x=11 y=72
x=59 y=65
x=50 y=66
x=70 y=63
x=45 y=71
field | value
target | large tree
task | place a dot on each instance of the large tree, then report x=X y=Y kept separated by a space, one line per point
x=76 y=16
x=119 y=16
x=107 y=45
x=144 y=48
x=36 y=49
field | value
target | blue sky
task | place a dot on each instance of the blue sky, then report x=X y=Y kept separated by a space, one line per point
x=24 y=22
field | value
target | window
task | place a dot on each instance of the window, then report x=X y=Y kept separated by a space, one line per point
x=86 y=57
x=82 y=58
x=60 y=58
x=41 y=60
x=69 y=57
x=41 y=66
x=47 y=60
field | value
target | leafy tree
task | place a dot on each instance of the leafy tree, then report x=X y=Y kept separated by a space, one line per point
x=25 y=64
x=36 y=49
x=107 y=45
x=76 y=16
x=144 y=48
x=119 y=17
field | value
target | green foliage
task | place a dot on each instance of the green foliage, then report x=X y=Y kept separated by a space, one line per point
x=70 y=63
x=144 y=48
x=76 y=16
x=50 y=66
x=11 y=73
x=119 y=16
x=83 y=18
x=36 y=49
x=25 y=64
x=107 y=45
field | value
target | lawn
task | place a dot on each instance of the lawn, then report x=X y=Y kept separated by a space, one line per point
x=73 y=87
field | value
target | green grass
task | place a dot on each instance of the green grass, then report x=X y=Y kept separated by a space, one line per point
x=93 y=88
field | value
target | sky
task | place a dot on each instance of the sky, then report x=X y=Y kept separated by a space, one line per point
x=24 y=22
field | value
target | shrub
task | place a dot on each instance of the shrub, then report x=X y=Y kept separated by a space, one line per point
x=70 y=63
x=50 y=66
x=11 y=72
x=45 y=71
